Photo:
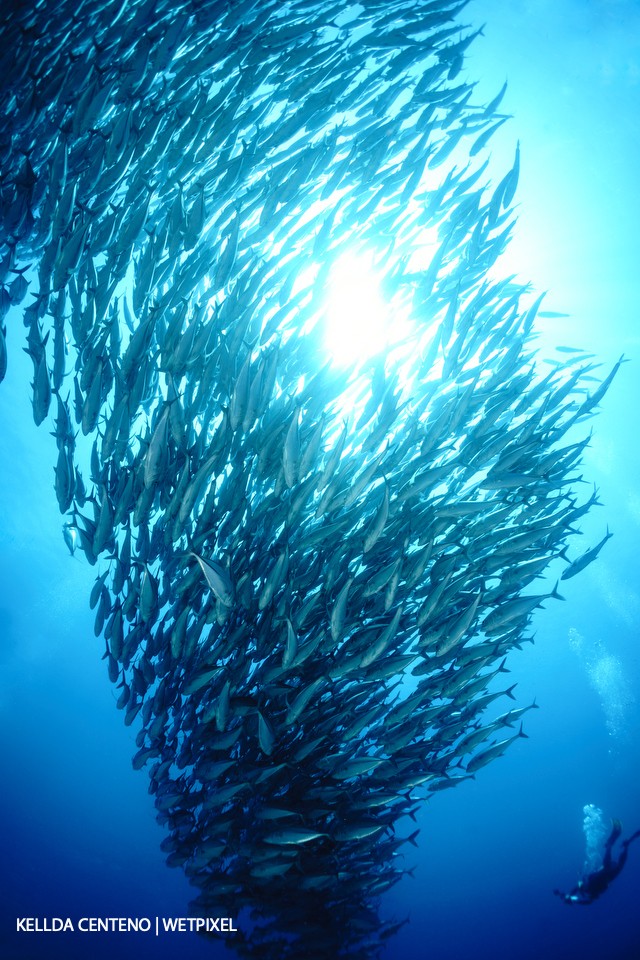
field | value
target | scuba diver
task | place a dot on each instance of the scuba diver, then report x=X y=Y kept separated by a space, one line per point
x=596 y=882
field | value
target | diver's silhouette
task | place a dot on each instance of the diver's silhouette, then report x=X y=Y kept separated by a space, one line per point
x=591 y=886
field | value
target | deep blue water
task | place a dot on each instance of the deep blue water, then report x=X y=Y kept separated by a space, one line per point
x=79 y=834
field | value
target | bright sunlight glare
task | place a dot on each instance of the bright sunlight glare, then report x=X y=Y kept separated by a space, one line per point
x=357 y=318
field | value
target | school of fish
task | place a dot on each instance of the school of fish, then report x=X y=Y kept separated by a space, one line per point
x=310 y=573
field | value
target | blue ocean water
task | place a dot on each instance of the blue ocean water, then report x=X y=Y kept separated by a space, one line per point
x=79 y=833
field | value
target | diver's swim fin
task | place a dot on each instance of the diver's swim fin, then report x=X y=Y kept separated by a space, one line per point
x=634 y=836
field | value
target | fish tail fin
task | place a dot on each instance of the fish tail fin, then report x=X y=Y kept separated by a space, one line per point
x=85 y=208
x=412 y=813
x=412 y=837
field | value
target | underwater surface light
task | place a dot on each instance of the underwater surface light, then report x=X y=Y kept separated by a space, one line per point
x=358 y=319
